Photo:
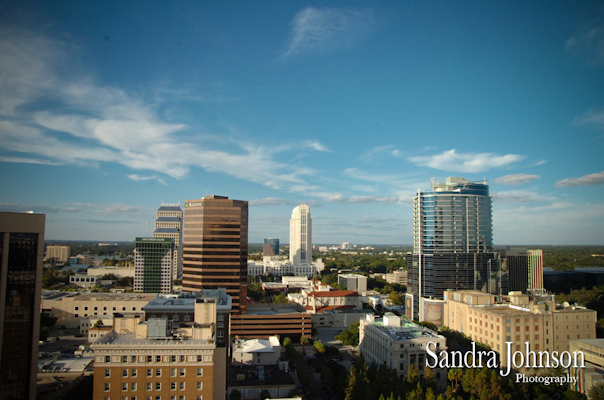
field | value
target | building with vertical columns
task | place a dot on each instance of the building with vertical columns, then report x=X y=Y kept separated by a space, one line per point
x=153 y=265
x=300 y=236
x=215 y=247
x=58 y=252
x=169 y=225
x=21 y=257
x=452 y=242
x=535 y=269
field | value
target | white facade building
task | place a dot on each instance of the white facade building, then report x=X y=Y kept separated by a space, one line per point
x=398 y=343
x=354 y=282
x=284 y=268
x=300 y=236
x=257 y=351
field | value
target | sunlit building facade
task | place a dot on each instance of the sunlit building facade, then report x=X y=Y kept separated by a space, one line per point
x=216 y=246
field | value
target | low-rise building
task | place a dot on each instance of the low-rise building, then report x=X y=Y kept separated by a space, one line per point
x=535 y=319
x=120 y=272
x=251 y=381
x=69 y=307
x=355 y=282
x=326 y=300
x=276 y=267
x=263 y=320
x=593 y=372
x=398 y=277
x=179 y=310
x=339 y=318
x=256 y=351
x=85 y=281
x=398 y=343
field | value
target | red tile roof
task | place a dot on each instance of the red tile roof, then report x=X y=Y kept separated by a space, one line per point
x=334 y=293
x=321 y=309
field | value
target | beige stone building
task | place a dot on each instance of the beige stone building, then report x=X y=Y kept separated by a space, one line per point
x=58 y=252
x=593 y=373
x=140 y=360
x=69 y=308
x=519 y=319
x=399 y=277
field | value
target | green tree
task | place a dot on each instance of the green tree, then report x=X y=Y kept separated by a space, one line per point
x=319 y=347
x=350 y=336
x=264 y=394
x=596 y=392
x=281 y=298
x=235 y=395
x=396 y=299
x=125 y=281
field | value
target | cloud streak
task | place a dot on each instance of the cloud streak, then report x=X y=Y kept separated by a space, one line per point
x=516 y=179
x=318 y=31
x=589 y=41
x=451 y=160
x=587 y=180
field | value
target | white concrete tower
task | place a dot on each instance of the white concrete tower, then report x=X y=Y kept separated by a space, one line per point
x=300 y=236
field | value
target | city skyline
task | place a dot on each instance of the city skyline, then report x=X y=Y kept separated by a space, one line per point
x=109 y=110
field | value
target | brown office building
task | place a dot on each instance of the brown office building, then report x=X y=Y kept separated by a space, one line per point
x=21 y=255
x=215 y=247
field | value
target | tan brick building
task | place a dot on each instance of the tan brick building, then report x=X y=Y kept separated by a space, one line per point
x=138 y=360
x=517 y=318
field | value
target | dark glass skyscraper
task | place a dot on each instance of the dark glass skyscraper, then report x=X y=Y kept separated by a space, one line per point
x=452 y=241
x=21 y=255
x=271 y=247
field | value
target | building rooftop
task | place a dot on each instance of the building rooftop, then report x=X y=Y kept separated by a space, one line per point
x=132 y=340
x=166 y=230
x=170 y=207
x=106 y=296
x=168 y=219
x=407 y=331
x=258 y=345
x=334 y=293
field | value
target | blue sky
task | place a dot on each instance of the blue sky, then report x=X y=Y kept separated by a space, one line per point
x=108 y=109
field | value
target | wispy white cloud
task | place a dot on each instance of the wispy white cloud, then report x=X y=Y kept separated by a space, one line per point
x=589 y=40
x=593 y=118
x=323 y=30
x=109 y=209
x=76 y=120
x=381 y=151
x=316 y=145
x=520 y=196
x=37 y=208
x=587 y=180
x=273 y=201
x=139 y=178
x=516 y=179
x=450 y=160
x=360 y=199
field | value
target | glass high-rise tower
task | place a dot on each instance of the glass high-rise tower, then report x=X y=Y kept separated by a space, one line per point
x=452 y=241
x=21 y=255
